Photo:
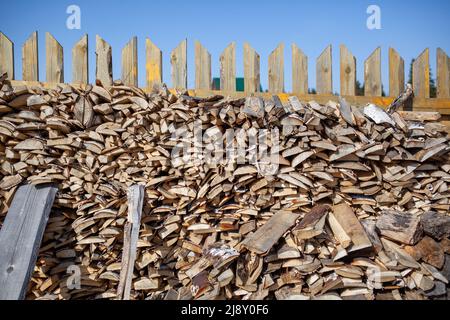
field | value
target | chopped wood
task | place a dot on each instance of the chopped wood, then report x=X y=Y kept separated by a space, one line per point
x=401 y=227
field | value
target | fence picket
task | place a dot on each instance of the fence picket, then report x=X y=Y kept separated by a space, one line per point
x=372 y=75
x=103 y=52
x=299 y=71
x=80 y=70
x=396 y=73
x=130 y=63
x=228 y=68
x=202 y=67
x=421 y=75
x=153 y=64
x=6 y=56
x=443 y=74
x=54 y=60
x=252 y=78
x=30 y=61
x=324 y=72
x=348 y=72
x=276 y=69
x=178 y=61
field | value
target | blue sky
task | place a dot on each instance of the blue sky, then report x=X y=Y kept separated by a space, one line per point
x=407 y=25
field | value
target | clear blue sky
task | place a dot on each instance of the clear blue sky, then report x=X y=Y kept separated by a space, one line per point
x=407 y=25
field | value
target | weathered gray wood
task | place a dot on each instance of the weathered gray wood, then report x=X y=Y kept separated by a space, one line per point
x=228 y=68
x=153 y=64
x=372 y=74
x=202 y=67
x=276 y=70
x=252 y=78
x=348 y=72
x=436 y=225
x=54 y=60
x=21 y=236
x=399 y=226
x=131 y=235
x=130 y=63
x=80 y=68
x=324 y=72
x=299 y=71
x=421 y=75
x=6 y=56
x=443 y=74
x=396 y=73
x=178 y=60
x=103 y=52
x=30 y=61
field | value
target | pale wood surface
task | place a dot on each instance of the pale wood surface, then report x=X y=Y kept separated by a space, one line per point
x=80 y=67
x=178 y=60
x=443 y=74
x=21 y=236
x=252 y=78
x=228 y=68
x=421 y=75
x=299 y=71
x=324 y=73
x=6 y=56
x=30 y=61
x=276 y=70
x=348 y=72
x=54 y=60
x=130 y=63
x=103 y=52
x=372 y=74
x=202 y=67
x=153 y=63
x=396 y=73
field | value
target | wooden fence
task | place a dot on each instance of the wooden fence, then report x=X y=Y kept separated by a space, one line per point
x=203 y=81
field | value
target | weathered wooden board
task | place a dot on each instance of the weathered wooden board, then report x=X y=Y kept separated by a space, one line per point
x=153 y=64
x=228 y=68
x=21 y=236
x=276 y=69
x=178 y=60
x=202 y=67
x=54 y=59
x=421 y=75
x=130 y=63
x=324 y=72
x=252 y=77
x=348 y=72
x=30 y=61
x=400 y=226
x=372 y=74
x=396 y=73
x=299 y=71
x=443 y=74
x=6 y=56
x=103 y=52
x=80 y=67
x=131 y=235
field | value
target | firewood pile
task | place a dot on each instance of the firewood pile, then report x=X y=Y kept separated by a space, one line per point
x=346 y=202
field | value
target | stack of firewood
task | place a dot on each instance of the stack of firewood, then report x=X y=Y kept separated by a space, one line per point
x=346 y=203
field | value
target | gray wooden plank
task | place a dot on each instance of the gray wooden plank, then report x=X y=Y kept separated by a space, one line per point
x=324 y=76
x=178 y=60
x=348 y=72
x=421 y=75
x=228 y=68
x=30 y=58
x=80 y=67
x=131 y=235
x=54 y=59
x=396 y=73
x=130 y=63
x=103 y=52
x=299 y=71
x=6 y=56
x=372 y=75
x=21 y=236
x=276 y=70
x=251 y=69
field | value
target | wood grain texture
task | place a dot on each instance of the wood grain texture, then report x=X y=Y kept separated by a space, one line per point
x=348 y=72
x=202 y=67
x=396 y=73
x=299 y=71
x=443 y=74
x=178 y=60
x=324 y=72
x=103 y=53
x=276 y=69
x=6 y=56
x=131 y=235
x=130 y=63
x=80 y=67
x=30 y=61
x=421 y=75
x=21 y=236
x=252 y=78
x=228 y=68
x=153 y=64
x=54 y=59
x=372 y=74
